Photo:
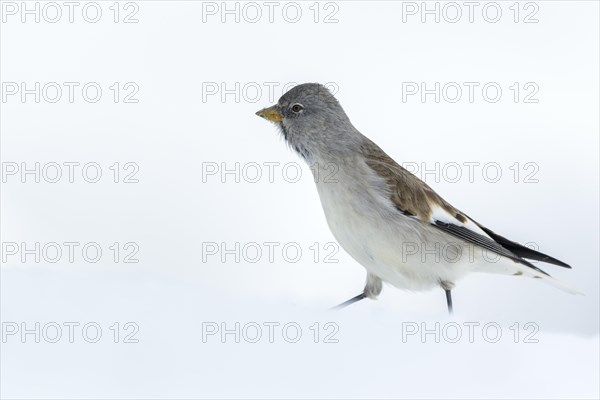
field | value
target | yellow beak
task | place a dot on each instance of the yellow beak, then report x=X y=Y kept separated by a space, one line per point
x=270 y=114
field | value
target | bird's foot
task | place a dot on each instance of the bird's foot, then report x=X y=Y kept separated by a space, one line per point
x=351 y=301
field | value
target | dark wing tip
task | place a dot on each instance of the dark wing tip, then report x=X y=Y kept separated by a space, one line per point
x=550 y=260
x=523 y=251
x=485 y=242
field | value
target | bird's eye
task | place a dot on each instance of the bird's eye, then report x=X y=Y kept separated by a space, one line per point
x=297 y=108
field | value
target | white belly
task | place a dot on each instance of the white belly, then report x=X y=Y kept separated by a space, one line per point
x=399 y=250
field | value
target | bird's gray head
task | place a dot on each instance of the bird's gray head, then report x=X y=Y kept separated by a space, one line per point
x=311 y=120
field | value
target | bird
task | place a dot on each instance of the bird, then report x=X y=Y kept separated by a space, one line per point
x=387 y=219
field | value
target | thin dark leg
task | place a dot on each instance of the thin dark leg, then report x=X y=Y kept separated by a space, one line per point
x=449 y=301
x=351 y=301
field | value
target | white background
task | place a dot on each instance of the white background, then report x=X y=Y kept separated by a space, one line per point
x=172 y=53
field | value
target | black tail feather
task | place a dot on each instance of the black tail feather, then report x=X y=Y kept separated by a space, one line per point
x=523 y=251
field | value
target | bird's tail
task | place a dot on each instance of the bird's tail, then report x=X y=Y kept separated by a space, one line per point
x=558 y=284
x=510 y=267
x=524 y=270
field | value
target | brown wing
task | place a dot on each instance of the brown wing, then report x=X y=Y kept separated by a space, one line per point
x=410 y=195
x=415 y=198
